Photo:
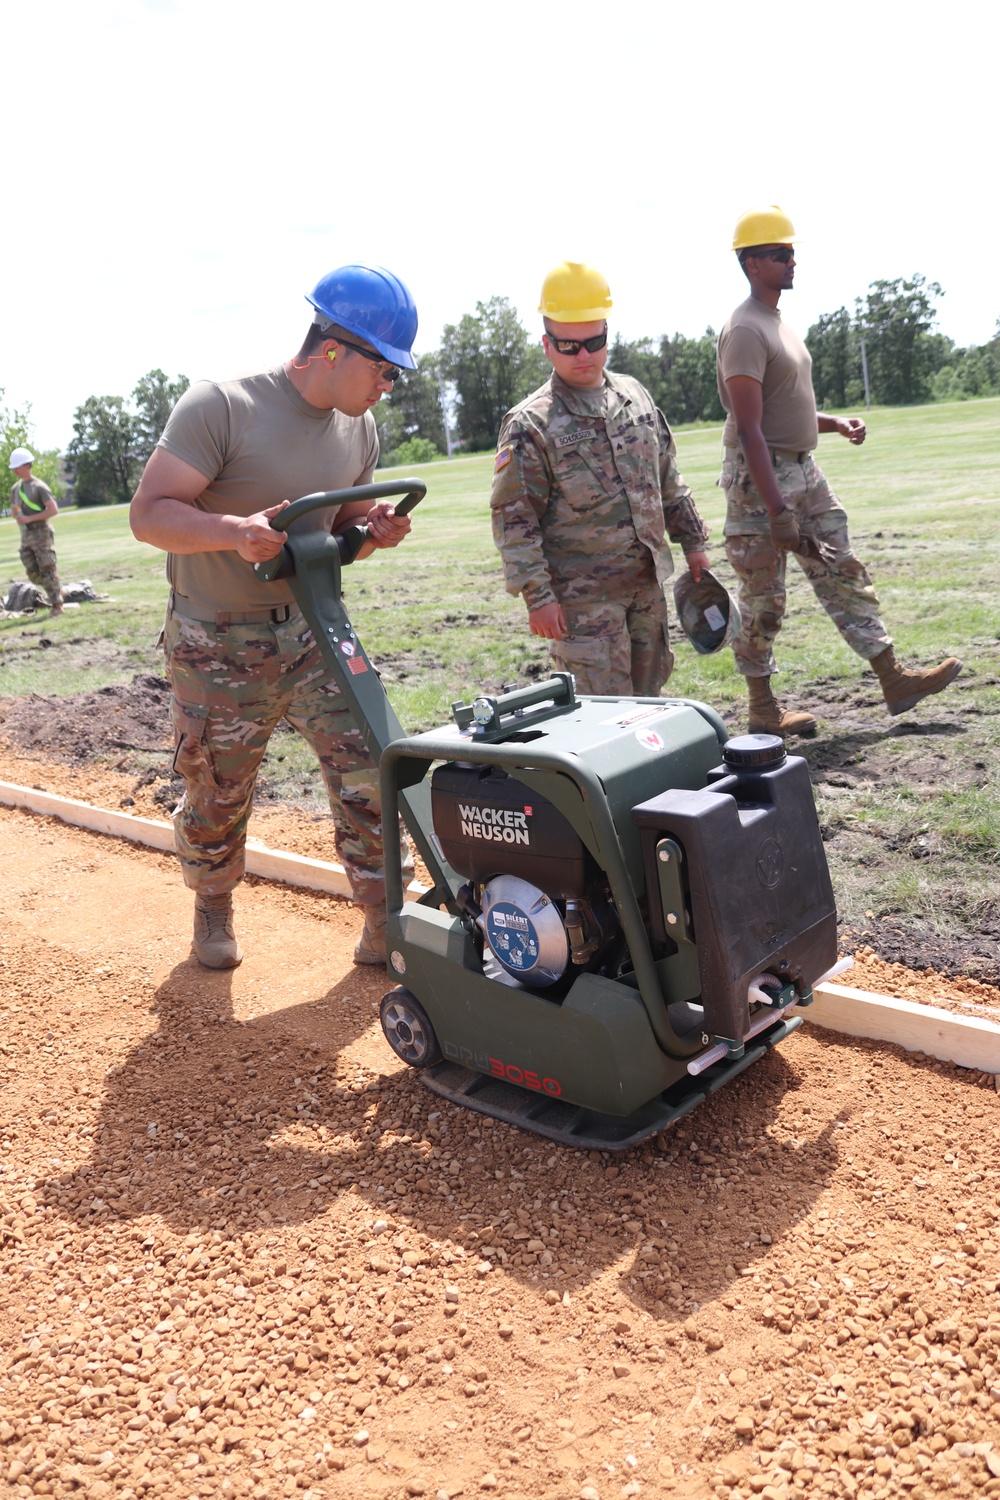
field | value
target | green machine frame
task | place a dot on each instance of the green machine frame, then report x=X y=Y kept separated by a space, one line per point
x=605 y=1065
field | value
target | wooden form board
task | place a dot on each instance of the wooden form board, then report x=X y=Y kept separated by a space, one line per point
x=967 y=1040
x=970 y=1041
x=271 y=864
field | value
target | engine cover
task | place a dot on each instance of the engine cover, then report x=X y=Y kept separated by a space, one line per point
x=524 y=931
x=489 y=823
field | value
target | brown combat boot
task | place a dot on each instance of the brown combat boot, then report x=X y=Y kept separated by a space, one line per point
x=215 y=943
x=370 y=947
x=767 y=715
x=903 y=690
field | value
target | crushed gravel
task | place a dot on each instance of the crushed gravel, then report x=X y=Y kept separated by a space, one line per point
x=244 y=1253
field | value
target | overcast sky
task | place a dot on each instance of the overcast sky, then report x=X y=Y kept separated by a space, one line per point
x=180 y=172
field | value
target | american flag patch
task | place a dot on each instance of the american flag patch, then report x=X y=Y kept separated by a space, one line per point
x=503 y=459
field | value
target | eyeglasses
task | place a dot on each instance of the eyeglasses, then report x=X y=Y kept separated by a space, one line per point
x=573 y=346
x=389 y=373
x=785 y=254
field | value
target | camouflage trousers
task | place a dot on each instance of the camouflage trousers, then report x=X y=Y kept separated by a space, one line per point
x=840 y=581
x=232 y=684
x=38 y=558
x=618 y=645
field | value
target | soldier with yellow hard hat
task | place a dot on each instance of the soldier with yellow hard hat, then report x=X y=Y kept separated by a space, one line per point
x=586 y=492
x=777 y=499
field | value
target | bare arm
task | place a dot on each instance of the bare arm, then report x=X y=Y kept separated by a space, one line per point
x=163 y=513
x=852 y=428
x=747 y=398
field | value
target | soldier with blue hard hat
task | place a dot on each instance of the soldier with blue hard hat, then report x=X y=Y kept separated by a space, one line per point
x=239 y=653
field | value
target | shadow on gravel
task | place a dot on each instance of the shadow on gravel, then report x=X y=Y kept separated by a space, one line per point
x=217 y=1125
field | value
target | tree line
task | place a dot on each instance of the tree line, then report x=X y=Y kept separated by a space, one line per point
x=487 y=362
x=892 y=332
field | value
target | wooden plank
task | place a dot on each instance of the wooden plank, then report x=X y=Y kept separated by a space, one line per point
x=970 y=1041
x=83 y=815
x=271 y=864
x=966 y=1040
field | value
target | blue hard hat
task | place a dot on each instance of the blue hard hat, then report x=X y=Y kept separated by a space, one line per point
x=374 y=304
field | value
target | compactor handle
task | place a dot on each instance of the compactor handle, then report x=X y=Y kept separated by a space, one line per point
x=412 y=490
x=352 y=539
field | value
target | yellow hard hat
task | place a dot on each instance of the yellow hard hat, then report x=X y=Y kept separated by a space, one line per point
x=763 y=226
x=575 y=293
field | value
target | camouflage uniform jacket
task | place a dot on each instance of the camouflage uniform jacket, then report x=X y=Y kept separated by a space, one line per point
x=584 y=481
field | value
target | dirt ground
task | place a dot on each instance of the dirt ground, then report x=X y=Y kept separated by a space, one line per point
x=245 y=1253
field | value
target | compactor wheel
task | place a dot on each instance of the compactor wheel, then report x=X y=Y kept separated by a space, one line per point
x=408 y=1029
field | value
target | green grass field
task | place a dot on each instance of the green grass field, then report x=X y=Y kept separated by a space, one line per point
x=909 y=805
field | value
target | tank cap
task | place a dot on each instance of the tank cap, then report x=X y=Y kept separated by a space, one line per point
x=754 y=752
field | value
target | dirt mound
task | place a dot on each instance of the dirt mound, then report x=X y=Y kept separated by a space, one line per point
x=973 y=958
x=90 y=726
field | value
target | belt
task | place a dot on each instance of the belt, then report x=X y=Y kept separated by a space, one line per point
x=777 y=455
x=179 y=605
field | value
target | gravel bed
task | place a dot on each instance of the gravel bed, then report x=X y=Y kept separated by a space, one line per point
x=244 y=1253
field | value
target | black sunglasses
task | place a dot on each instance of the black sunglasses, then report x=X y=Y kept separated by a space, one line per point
x=389 y=373
x=573 y=346
x=786 y=254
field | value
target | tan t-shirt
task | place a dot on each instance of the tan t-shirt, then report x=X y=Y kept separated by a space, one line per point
x=259 y=442
x=28 y=498
x=757 y=343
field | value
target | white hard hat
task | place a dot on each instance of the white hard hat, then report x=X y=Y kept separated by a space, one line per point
x=21 y=456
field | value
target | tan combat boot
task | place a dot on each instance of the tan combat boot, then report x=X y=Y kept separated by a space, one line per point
x=903 y=690
x=215 y=943
x=370 y=947
x=767 y=715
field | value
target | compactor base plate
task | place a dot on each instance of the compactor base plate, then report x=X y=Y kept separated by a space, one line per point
x=572 y=1124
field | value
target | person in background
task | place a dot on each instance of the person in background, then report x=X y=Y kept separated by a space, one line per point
x=586 y=491
x=33 y=505
x=777 y=498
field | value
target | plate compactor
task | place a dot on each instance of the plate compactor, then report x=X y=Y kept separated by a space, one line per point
x=626 y=903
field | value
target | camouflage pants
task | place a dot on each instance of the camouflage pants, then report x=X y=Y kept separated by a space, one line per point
x=38 y=559
x=618 y=646
x=231 y=687
x=840 y=582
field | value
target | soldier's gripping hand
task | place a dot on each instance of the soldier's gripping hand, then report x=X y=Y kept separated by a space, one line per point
x=385 y=528
x=548 y=621
x=256 y=539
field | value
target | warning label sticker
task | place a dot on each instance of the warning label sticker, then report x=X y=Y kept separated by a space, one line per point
x=625 y=721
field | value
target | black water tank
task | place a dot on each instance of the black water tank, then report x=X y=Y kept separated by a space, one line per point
x=755 y=874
